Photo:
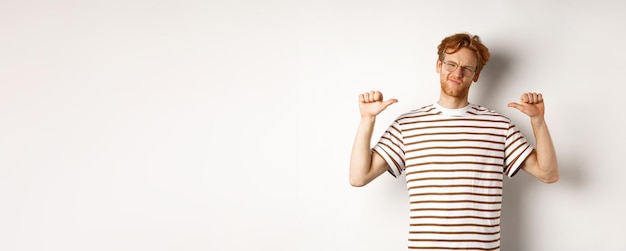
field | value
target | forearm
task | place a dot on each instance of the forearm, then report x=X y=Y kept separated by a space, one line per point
x=361 y=158
x=546 y=154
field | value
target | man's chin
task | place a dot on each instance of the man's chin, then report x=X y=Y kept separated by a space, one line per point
x=454 y=93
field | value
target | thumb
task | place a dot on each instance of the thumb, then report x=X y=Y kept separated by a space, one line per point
x=389 y=102
x=515 y=105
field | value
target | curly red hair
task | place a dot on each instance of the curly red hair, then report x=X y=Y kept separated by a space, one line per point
x=454 y=43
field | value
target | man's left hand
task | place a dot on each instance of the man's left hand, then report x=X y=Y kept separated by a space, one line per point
x=531 y=104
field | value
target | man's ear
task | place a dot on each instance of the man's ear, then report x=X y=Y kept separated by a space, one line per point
x=438 y=66
x=476 y=76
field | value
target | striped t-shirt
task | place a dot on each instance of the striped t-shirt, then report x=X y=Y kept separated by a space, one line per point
x=454 y=161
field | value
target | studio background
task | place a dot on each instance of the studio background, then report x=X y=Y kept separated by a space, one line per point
x=228 y=125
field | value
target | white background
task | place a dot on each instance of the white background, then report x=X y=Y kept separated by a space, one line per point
x=227 y=125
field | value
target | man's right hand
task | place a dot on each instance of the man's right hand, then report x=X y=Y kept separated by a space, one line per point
x=365 y=166
x=371 y=104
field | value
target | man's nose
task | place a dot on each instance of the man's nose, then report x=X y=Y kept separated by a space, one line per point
x=458 y=71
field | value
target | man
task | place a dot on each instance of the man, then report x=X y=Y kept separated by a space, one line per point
x=454 y=153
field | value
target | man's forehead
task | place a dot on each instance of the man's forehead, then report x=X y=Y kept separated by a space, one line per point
x=464 y=56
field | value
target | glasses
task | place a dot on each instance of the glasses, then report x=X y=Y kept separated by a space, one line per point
x=451 y=66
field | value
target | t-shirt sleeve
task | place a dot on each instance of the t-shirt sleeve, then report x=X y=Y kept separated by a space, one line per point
x=390 y=147
x=516 y=150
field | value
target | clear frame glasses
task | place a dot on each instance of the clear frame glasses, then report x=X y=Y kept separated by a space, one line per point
x=451 y=66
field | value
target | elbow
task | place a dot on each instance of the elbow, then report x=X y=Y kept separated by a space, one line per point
x=551 y=178
x=548 y=173
x=356 y=182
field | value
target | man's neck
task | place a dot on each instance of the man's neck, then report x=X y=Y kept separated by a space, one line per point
x=452 y=102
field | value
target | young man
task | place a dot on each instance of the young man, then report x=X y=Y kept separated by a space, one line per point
x=454 y=153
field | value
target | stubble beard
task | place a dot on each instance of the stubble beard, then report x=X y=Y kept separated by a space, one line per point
x=454 y=91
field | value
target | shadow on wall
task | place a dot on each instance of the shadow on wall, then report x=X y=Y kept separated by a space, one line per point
x=492 y=84
x=492 y=78
x=514 y=222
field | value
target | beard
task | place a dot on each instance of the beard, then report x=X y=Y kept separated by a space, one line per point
x=455 y=90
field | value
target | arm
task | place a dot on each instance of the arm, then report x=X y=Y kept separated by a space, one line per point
x=365 y=165
x=542 y=163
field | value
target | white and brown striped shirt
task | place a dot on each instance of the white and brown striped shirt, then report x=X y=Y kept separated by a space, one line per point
x=454 y=161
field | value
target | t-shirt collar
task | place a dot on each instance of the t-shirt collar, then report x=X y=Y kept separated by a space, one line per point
x=453 y=112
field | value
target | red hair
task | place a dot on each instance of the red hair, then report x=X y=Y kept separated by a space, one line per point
x=454 y=43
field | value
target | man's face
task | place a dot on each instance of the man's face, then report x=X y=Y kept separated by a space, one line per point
x=456 y=83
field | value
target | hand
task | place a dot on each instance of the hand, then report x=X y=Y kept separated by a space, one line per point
x=371 y=103
x=531 y=104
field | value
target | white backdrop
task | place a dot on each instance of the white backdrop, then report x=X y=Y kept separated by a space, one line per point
x=227 y=125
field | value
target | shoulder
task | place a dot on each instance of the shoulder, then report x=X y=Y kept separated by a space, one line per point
x=486 y=113
x=417 y=114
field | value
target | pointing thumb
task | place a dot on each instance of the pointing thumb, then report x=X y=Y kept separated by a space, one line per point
x=389 y=102
x=515 y=105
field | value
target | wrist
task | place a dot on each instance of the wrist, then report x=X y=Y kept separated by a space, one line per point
x=368 y=118
x=537 y=121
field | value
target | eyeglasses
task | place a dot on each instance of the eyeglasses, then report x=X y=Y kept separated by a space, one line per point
x=451 y=66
